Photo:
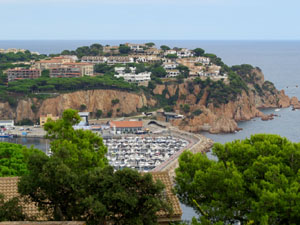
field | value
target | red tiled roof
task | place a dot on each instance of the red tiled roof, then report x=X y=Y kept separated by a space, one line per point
x=123 y=124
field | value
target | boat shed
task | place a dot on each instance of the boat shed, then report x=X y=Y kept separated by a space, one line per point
x=126 y=126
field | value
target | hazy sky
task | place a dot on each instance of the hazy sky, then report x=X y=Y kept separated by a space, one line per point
x=150 y=19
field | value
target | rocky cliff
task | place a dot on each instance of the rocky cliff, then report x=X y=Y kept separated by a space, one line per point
x=214 y=106
x=93 y=100
x=203 y=114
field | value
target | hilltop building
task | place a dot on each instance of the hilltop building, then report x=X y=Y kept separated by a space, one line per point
x=22 y=73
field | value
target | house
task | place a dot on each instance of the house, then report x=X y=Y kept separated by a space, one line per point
x=170 y=52
x=172 y=73
x=184 y=52
x=136 y=47
x=170 y=65
x=146 y=58
x=6 y=123
x=111 y=49
x=126 y=126
x=9 y=188
x=94 y=59
x=44 y=118
x=135 y=78
x=22 y=73
x=119 y=60
x=153 y=51
x=121 y=70
x=213 y=71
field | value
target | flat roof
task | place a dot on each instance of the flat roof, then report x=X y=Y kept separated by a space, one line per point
x=124 y=124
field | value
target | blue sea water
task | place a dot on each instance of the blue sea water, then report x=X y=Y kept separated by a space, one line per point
x=279 y=60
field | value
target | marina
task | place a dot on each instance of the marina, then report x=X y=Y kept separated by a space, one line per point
x=142 y=153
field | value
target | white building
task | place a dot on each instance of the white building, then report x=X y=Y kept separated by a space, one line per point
x=135 y=78
x=170 y=52
x=172 y=73
x=170 y=65
x=6 y=123
x=184 y=52
x=121 y=70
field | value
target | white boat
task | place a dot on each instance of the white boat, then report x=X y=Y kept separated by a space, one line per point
x=277 y=110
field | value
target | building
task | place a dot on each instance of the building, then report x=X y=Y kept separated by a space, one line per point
x=9 y=188
x=94 y=59
x=6 y=123
x=146 y=58
x=153 y=51
x=172 y=73
x=184 y=52
x=53 y=62
x=86 y=69
x=170 y=65
x=22 y=73
x=136 y=47
x=65 y=72
x=84 y=118
x=122 y=70
x=135 y=78
x=44 y=118
x=170 y=52
x=111 y=49
x=126 y=126
x=111 y=60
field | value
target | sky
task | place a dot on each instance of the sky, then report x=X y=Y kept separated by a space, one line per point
x=149 y=20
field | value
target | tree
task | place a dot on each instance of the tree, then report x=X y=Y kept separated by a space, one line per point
x=45 y=73
x=14 y=159
x=150 y=44
x=171 y=56
x=159 y=72
x=256 y=179
x=11 y=210
x=164 y=47
x=115 y=101
x=82 y=107
x=186 y=108
x=199 y=52
x=98 y=113
x=124 y=49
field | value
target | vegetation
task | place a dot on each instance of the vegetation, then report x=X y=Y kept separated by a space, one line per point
x=19 y=57
x=124 y=49
x=11 y=210
x=256 y=179
x=14 y=159
x=53 y=85
x=164 y=47
x=76 y=182
x=115 y=101
x=99 y=113
x=93 y=50
x=171 y=56
x=199 y=52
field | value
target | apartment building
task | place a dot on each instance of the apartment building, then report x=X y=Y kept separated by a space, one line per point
x=22 y=73
x=65 y=72
x=86 y=69
x=135 y=78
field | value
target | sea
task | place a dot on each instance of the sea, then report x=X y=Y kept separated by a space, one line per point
x=279 y=61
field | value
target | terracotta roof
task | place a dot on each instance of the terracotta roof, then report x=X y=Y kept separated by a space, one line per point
x=165 y=179
x=123 y=124
x=9 y=187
